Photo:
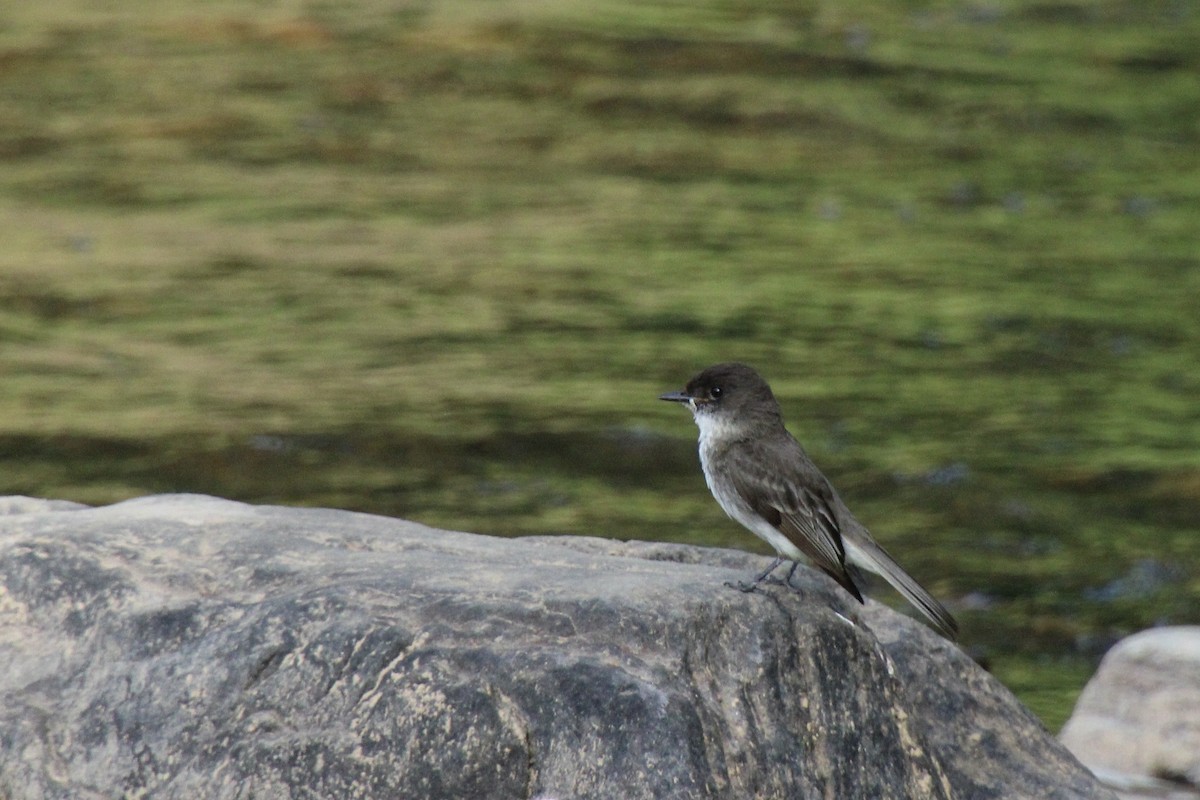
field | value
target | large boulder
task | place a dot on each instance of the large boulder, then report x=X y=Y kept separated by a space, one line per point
x=1137 y=723
x=190 y=647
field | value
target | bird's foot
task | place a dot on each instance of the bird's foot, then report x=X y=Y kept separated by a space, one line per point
x=743 y=586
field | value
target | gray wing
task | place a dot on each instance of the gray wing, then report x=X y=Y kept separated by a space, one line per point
x=818 y=515
x=797 y=500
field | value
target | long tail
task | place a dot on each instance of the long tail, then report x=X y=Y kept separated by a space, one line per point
x=866 y=553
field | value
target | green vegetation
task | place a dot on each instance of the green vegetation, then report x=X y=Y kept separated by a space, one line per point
x=437 y=261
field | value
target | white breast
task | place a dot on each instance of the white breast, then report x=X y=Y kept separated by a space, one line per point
x=713 y=431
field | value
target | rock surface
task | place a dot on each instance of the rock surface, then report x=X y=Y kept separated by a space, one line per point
x=190 y=647
x=1138 y=719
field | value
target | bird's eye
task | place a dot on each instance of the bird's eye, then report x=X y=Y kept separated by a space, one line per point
x=715 y=392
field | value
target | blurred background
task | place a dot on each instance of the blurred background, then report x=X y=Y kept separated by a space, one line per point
x=437 y=261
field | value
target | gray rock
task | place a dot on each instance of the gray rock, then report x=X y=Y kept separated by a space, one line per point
x=1138 y=719
x=20 y=504
x=189 y=647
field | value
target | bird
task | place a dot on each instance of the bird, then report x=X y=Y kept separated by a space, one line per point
x=764 y=480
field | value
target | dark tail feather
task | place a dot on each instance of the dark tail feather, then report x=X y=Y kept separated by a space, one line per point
x=843 y=578
x=869 y=555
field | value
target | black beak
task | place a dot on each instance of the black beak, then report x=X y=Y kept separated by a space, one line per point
x=676 y=397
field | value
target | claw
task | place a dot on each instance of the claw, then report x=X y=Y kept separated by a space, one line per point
x=742 y=586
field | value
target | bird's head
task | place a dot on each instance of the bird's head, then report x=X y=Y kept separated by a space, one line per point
x=732 y=393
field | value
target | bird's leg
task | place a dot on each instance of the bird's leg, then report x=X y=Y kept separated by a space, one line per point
x=788 y=580
x=750 y=587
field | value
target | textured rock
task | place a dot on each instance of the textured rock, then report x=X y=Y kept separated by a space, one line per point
x=188 y=647
x=1138 y=719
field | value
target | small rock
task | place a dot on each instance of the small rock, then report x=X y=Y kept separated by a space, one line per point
x=1138 y=719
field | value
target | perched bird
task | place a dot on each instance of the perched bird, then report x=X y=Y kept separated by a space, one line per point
x=763 y=479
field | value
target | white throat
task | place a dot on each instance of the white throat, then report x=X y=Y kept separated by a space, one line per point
x=715 y=428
